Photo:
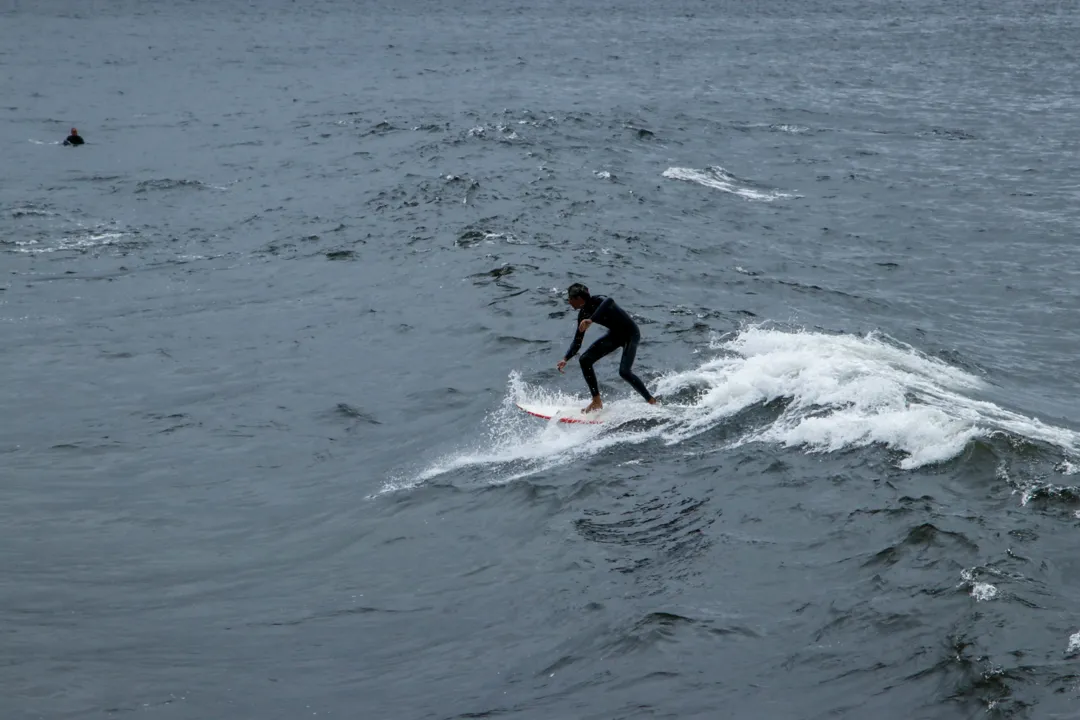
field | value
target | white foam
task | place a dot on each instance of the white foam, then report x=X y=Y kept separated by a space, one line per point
x=839 y=392
x=519 y=445
x=1028 y=491
x=495 y=237
x=843 y=391
x=981 y=591
x=80 y=243
x=793 y=129
x=719 y=179
x=846 y=392
x=1074 y=644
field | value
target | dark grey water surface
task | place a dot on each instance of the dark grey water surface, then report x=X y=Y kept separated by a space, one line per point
x=262 y=336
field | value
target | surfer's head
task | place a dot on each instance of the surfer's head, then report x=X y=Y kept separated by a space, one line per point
x=577 y=294
x=74 y=131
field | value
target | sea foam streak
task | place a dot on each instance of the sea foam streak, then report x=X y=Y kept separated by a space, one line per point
x=522 y=445
x=840 y=392
x=718 y=178
x=80 y=243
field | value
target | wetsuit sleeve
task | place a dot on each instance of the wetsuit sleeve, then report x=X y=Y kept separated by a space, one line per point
x=601 y=309
x=575 y=345
x=578 y=337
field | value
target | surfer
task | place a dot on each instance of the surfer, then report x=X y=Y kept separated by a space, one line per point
x=74 y=138
x=622 y=333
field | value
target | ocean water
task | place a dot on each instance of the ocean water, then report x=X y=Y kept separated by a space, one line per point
x=263 y=335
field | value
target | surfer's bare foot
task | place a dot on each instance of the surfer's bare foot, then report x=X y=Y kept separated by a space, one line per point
x=654 y=401
x=596 y=404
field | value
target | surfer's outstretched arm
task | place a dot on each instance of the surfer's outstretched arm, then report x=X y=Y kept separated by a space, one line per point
x=573 y=350
x=579 y=336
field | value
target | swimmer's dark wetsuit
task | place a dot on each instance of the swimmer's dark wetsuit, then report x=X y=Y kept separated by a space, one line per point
x=622 y=333
x=73 y=140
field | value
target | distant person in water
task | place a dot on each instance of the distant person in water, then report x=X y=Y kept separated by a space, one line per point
x=74 y=138
x=622 y=333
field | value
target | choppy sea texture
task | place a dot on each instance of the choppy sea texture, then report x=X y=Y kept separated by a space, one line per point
x=263 y=336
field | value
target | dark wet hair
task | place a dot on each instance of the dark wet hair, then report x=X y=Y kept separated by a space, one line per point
x=577 y=290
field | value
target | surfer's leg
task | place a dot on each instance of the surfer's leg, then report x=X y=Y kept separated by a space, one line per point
x=597 y=350
x=626 y=373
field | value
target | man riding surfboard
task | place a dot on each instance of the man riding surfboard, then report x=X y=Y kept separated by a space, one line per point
x=622 y=333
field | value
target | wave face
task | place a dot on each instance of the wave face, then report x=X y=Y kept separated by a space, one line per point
x=822 y=393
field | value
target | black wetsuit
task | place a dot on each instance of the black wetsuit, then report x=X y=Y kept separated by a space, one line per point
x=73 y=140
x=622 y=333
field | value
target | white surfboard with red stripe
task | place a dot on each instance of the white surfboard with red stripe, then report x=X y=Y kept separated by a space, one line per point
x=563 y=413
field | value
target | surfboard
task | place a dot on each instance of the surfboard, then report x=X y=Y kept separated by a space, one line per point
x=563 y=413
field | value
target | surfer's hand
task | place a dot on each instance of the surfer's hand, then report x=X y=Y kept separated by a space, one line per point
x=561 y=365
x=584 y=325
